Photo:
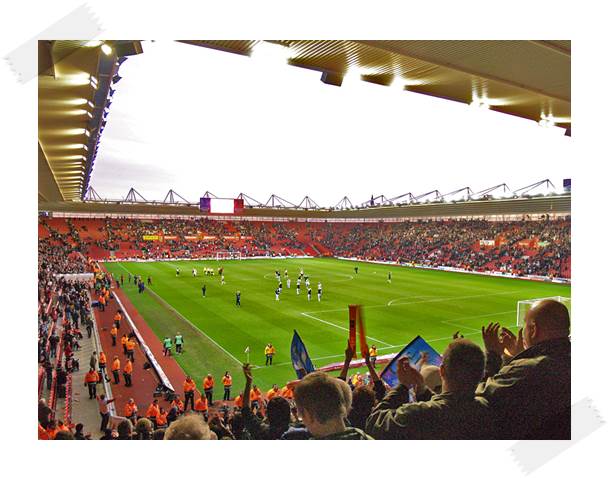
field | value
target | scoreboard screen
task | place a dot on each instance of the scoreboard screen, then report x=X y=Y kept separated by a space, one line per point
x=221 y=206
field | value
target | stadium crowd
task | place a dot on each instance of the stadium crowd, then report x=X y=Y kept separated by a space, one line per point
x=526 y=247
x=518 y=387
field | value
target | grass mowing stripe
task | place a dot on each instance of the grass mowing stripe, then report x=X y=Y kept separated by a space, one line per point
x=421 y=302
x=168 y=306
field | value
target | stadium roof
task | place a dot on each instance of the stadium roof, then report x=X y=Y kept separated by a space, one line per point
x=529 y=79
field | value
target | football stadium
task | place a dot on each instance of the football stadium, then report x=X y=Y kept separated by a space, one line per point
x=437 y=312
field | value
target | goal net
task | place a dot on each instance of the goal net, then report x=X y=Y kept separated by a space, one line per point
x=524 y=305
x=227 y=255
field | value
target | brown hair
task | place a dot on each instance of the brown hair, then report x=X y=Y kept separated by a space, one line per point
x=323 y=397
x=464 y=363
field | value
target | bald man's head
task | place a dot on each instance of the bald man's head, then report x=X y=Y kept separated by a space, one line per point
x=547 y=320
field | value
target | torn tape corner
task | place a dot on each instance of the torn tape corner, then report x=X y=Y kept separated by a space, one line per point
x=530 y=455
x=82 y=23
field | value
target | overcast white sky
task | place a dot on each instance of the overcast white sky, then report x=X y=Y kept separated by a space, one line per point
x=195 y=119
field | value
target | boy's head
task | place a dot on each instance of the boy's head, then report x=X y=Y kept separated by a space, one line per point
x=322 y=399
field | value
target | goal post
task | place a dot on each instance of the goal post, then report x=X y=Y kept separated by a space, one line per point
x=524 y=305
x=227 y=255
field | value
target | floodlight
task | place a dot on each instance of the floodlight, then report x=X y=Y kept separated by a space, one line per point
x=107 y=49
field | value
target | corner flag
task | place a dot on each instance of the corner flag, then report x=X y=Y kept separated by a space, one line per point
x=247 y=351
x=299 y=356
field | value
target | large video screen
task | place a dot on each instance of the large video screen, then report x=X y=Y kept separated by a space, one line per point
x=222 y=206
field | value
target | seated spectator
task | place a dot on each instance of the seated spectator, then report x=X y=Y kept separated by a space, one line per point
x=189 y=427
x=454 y=414
x=64 y=435
x=78 y=433
x=144 y=429
x=125 y=430
x=530 y=393
x=323 y=403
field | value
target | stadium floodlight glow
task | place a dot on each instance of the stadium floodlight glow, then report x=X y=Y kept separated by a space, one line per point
x=546 y=121
x=107 y=49
x=77 y=79
x=93 y=43
x=479 y=103
x=77 y=101
x=90 y=104
x=271 y=52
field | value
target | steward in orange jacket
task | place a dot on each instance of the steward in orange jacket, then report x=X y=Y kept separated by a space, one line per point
x=127 y=370
x=201 y=405
x=227 y=381
x=189 y=393
x=116 y=368
x=208 y=388
x=91 y=380
x=131 y=410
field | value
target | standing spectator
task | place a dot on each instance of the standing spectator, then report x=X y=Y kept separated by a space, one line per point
x=103 y=403
x=113 y=334
x=530 y=395
x=323 y=402
x=93 y=360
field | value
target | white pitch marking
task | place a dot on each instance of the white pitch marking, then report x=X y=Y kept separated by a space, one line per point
x=339 y=327
x=194 y=326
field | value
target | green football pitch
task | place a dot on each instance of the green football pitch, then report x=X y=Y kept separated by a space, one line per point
x=432 y=304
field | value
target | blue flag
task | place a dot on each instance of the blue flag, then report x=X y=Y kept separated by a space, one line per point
x=414 y=351
x=299 y=356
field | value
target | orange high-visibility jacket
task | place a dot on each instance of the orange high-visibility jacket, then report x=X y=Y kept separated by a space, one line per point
x=131 y=344
x=153 y=410
x=208 y=383
x=201 y=404
x=162 y=419
x=189 y=386
x=102 y=359
x=255 y=394
x=124 y=340
x=91 y=377
x=116 y=365
x=130 y=409
x=128 y=367
x=287 y=393
x=239 y=401
x=114 y=331
x=227 y=381
x=272 y=393
x=178 y=404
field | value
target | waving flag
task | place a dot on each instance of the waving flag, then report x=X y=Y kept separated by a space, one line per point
x=299 y=356
x=416 y=350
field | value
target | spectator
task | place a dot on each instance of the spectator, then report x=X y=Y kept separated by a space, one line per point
x=189 y=427
x=323 y=403
x=530 y=393
x=125 y=430
x=454 y=414
x=278 y=417
x=144 y=429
